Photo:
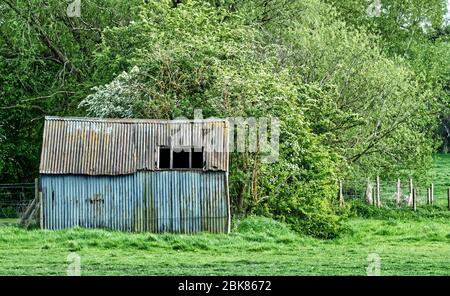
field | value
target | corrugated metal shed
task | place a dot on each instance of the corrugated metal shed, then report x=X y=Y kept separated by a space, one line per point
x=103 y=173
x=179 y=201
x=93 y=146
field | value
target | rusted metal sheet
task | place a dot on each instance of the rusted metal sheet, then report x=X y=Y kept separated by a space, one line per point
x=90 y=146
x=156 y=201
x=85 y=147
x=215 y=137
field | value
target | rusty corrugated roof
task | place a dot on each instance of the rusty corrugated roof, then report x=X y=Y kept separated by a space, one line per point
x=98 y=146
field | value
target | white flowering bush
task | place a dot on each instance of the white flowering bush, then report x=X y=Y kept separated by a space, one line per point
x=115 y=99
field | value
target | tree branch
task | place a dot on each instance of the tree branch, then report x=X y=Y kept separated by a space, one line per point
x=46 y=40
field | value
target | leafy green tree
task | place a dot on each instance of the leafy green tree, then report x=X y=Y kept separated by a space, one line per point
x=417 y=31
x=45 y=68
x=400 y=23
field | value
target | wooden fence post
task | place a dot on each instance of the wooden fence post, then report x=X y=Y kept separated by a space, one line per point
x=411 y=189
x=378 y=192
x=374 y=196
x=36 y=188
x=341 y=195
x=432 y=193
x=414 y=201
x=448 y=198
x=398 y=192
x=36 y=194
x=369 y=192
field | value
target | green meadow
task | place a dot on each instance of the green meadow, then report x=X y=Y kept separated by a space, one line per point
x=257 y=246
x=407 y=243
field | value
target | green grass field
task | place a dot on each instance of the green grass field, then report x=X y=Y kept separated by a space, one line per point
x=408 y=243
x=258 y=246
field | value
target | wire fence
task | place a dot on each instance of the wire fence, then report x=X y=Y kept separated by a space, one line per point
x=14 y=199
x=395 y=193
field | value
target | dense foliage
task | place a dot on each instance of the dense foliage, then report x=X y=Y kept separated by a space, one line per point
x=45 y=68
x=417 y=31
x=349 y=104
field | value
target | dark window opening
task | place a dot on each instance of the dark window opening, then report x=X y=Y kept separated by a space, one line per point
x=164 y=157
x=197 y=158
x=180 y=159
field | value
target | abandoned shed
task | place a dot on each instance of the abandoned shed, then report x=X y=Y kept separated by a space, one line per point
x=135 y=175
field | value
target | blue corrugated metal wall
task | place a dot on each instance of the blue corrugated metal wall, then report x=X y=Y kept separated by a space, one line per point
x=156 y=201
